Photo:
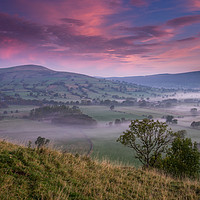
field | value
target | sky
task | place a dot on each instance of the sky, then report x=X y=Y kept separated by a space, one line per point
x=102 y=37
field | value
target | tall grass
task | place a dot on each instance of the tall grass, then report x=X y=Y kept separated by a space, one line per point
x=44 y=173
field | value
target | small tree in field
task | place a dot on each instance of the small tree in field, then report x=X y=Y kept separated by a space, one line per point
x=148 y=138
x=41 y=142
x=112 y=107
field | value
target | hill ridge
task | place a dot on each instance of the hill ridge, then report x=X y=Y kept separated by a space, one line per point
x=188 y=80
x=29 y=67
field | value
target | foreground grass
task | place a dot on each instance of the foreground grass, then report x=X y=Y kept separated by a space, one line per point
x=27 y=173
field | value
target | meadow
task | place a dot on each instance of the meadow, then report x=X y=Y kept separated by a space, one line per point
x=31 y=173
x=99 y=142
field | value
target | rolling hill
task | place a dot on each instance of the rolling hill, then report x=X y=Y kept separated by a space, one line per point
x=32 y=173
x=38 y=82
x=189 y=80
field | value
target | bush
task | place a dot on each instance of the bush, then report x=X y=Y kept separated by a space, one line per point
x=183 y=158
x=41 y=142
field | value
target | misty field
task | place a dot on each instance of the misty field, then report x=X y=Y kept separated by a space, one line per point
x=98 y=142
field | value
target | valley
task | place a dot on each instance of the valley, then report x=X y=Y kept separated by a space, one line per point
x=111 y=105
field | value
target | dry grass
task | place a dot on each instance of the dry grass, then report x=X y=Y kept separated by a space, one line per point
x=47 y=174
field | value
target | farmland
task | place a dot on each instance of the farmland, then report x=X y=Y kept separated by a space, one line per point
x=102 y=137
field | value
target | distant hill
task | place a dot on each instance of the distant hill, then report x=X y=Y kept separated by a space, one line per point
x=189 y=80
x=38 y=82
x=28 y=173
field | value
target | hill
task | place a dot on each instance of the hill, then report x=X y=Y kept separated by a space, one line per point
x=38 y=82
x=28 y=173
x=190 y=80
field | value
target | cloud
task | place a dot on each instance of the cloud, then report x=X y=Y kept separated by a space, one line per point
x=192 y=5
x=15 y=27
x=148 y=31
x=184 y=21
x=95 y=35
x=188 y=39
x=139 y=3
x=73 y=21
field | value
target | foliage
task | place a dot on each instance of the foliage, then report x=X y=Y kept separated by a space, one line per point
x=148 y=138
x=117 y=121
x=193 y=111
x=112 y=107
x=183 y=158
x=49 y=110
x=41 y=142
x=169 y=118
x=195 y=124
x=181 y=133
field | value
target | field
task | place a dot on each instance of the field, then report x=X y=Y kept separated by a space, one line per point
x=98 y=142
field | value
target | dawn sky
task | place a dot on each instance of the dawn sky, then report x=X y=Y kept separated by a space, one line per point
x=102 y=37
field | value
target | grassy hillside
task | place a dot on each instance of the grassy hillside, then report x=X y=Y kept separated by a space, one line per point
x=46 y=174
x=37 y=82
x=190 y=80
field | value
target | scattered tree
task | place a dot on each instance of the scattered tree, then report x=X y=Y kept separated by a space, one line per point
x=112 y=107
x=175 y=121
x=117 y=121
x=195 y=124
x=150 y=116
x=148 y=138
x=41 y=142
x=193 y=111
x=169 y=118
x=110 y=123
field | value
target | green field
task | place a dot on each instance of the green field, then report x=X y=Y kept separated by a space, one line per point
x=78 y=139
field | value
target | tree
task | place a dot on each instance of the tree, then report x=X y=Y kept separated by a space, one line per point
x=40 y=142
x=183 y=158
x=175 y=121
x=117 y=121
x=112 y=107
x=148 y=138
x=169 y=118
x=150 y=117
x=193 y=111
x=181 y=133
x=5 y=112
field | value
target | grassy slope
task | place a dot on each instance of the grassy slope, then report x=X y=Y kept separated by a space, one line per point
x=47 y=174
x=45 y=83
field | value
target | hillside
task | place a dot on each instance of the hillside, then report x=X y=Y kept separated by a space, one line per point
x=37 y=82
x=190 y=80
x=28 y=173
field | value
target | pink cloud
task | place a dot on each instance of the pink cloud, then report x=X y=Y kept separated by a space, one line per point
x=139 y=3
x=184 y=21
x=193 y=5
x=91 y=13
x=85 y=34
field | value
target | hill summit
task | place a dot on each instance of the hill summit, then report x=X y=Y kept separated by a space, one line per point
x=27 y=68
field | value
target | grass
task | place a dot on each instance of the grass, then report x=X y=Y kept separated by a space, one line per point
x=28 y=173
x=109 y=149
x=72 y=139
x=104 y=114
